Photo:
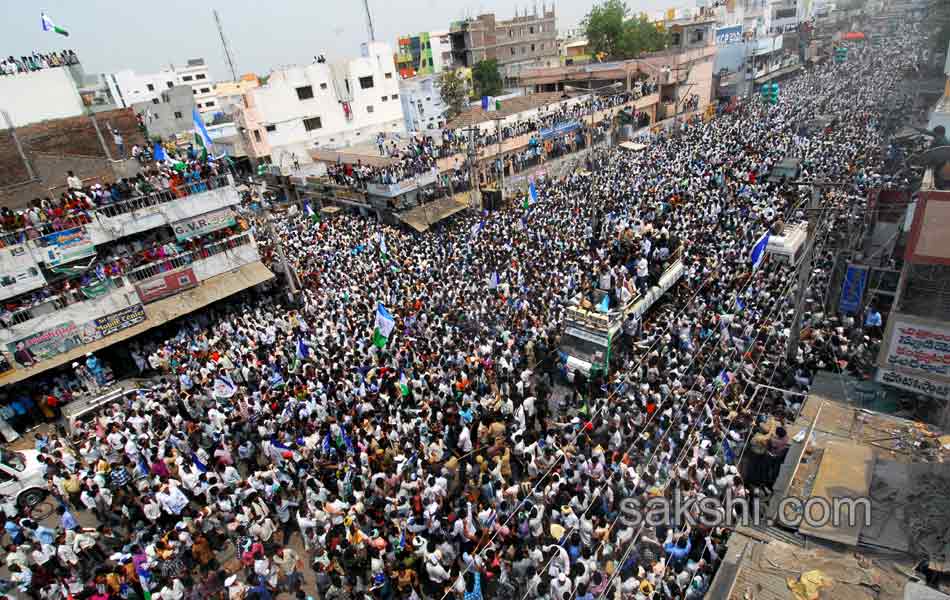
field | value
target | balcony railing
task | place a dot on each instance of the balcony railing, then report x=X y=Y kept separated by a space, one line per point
x=115 y=209
x=183 y=260
x=57 y=302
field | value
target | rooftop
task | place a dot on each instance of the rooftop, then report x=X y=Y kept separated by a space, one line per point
x=474 y=116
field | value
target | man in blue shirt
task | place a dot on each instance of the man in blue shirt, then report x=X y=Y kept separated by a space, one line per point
x=66 y=519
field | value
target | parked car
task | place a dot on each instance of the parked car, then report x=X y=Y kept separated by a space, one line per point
x=22 y=480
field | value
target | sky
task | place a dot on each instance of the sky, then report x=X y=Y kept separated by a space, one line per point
x=109 y=35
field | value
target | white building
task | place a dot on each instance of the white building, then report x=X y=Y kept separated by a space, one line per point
x=326 y=105
x=39 y=96
x=129 y=87
x=422 y=104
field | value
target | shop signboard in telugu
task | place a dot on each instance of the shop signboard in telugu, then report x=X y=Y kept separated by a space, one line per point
x=728 y=35
x=18 y=271
x=915 y=384
x=66 y=246
x=166 y=284
x=203 y=224
x=852 y=290
x=46 y=344
x=117 y=321
x=919 y=352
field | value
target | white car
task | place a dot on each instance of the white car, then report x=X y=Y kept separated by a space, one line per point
x=22 y=481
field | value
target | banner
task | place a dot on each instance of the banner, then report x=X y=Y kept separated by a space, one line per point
x=914 y=384
x=852 y=290
x=46 y=344
x=66 y=246
x=203 y=224
x=18 y=272
x=728 y=35
x=919 y=349
x=166 y=284
x=117 y=321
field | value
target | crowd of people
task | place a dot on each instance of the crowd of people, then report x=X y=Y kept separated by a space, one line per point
x=447 y=457
x=37 y=61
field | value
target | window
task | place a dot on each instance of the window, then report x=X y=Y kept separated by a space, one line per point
x=312 y=123
x=428 y=98
x=532 y=47
x=169 y=84
x=150 y=87
x=270 y=128
x=323 y=86
x=194 y=92
x=369 y=109
x=154 y=117
x=366 y=82
x=676 y=39
x=524 y=49
x=205 y=90
x=178 y=115
x=384 y=98
x=305 y=92
x=257 y=135
x=698 y=35
x=394 y=96
x=209 y=104
x=186 y=78
x=531 y=29
x=388 y=76
x=512 y=51
x=200 y=76
x=154 y=100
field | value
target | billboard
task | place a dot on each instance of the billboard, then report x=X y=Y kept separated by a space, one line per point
x=852 y=290
x=203 y=224
x=66 y=246
x=46 y=344
x=918 y=348
x=729 y=35
x=19 y=273
x=166 y=284
x=119 y=320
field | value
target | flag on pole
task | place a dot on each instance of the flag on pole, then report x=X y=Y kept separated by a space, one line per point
x=724 y=377
x=383 y=249
x=604 y=305
x=159 y=153
x=202 y=139
x=384 y=326
x=728 y=452
x=403 y=384
x=476 y=228
x=48 y=25
x=740 y=304
x=758 y=251
x=493 y=281
x=303 y=350
x=224 y=387
x=533 y=191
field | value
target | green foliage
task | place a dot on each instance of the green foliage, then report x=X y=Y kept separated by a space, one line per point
x=486 y=78
x=612 y=32
x=454 y=94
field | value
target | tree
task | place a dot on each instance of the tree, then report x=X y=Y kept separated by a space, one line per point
x=486 y=78
x=453 y=90
x=611 y=31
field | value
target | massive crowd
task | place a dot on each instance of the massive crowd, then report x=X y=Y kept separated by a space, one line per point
x=450 y=459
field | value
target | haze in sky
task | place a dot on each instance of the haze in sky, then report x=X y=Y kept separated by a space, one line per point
x=109 y=35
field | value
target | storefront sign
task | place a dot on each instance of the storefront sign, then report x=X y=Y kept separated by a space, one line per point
x=914 y=384
x=117 y=321
x=203 y=224
x=729 y=35
x=46 y=344
x=919 y=349
x=166 y=284
x=18 y=272
x=852 y=290
x=66 y=246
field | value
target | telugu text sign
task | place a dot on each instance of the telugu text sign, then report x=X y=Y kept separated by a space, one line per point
x=166 y=284
x=920 y=349
x=66 y=246
x=204 y=224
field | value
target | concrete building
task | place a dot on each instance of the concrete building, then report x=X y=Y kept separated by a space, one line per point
x=326 y=105
x=67 y=324
x=168 y=114
x=940 y=115
x=230 y=94
x=39 y=96
x=526 y=41
x=424 y=54
x=422 y=104
x=685 y=70
x=129 y=87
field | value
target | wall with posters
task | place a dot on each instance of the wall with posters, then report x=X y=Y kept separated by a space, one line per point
x=19 y=273
x=66 y=246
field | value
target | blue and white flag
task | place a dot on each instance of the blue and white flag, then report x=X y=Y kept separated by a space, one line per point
x=159 y=153
x=724 y=377
x=533 y=192
x=303 y=350
x=476 y=228
x=327 y=447
x=728 y=452
x=758 y=251
x=604 y=305
x=493 y=281
x=740 y=304
x=223 y=387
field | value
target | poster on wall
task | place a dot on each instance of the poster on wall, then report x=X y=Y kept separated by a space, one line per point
x=46 y=344
x=66 y=246
x=19 y=273
x=729 y=35
x=204 y=224
x=117 y=321
x=919 y=349
x=852 y=290
x=166 y=284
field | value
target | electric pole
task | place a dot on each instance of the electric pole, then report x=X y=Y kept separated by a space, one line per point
x=369 y=21
x=501 y=159
x=473 y=178
x=224 y=42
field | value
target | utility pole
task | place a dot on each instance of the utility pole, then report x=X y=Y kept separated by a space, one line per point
x=369 y=21
x=224 y=42
x=501 y=173
x=472 y=162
